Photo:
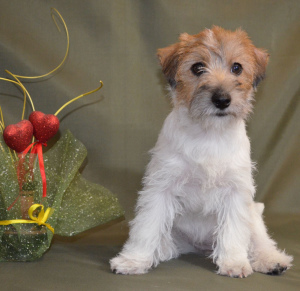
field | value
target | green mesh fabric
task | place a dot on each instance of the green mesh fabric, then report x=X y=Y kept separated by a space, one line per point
x=78 y=204
x=96 y=204
x=9 y=186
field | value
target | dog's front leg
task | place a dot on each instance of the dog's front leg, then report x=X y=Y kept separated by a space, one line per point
x=150 y=238
x=232 y=236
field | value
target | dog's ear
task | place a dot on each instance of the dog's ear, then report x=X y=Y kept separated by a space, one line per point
x=168 y=58
x=261 y=58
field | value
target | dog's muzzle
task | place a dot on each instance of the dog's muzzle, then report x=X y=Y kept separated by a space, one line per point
x=221 y=100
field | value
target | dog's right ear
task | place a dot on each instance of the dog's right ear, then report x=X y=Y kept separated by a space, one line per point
x=262 y=58
x=168 y=58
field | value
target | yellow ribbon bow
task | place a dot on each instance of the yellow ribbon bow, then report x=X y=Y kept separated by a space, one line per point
x=40 y=219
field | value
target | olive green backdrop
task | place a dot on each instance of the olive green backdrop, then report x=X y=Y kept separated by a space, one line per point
x=116 y=41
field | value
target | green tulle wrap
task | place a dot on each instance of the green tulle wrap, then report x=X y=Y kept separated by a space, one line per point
x=78 y=204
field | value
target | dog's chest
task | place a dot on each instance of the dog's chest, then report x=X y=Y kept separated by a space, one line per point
x=204 y=187
x=208 y=164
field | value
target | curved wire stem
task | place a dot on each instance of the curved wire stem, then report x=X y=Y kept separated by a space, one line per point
x=80 y=96
x=16 y=77
x=2 y=125
x=67 y=50
x=26 y=93
x=19 y=84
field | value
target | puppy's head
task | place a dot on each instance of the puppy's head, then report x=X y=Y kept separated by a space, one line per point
x=214 y=73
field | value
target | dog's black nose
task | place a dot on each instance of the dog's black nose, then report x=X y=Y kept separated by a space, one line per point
x=221 y=100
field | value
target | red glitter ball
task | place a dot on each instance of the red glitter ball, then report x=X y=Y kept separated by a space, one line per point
x=45 y=126
x=18 y=136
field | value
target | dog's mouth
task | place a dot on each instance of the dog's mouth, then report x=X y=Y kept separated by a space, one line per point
x=222 y=114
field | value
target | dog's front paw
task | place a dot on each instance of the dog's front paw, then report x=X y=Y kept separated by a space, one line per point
x=272 y=262
x=129 y=265
x=235 y=270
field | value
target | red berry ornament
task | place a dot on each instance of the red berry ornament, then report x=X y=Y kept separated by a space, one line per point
x=18 y=136
x=45 y=126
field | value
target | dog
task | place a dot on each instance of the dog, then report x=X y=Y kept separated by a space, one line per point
x=198 y=188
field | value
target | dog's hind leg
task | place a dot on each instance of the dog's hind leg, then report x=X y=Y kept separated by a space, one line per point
x=264 y=255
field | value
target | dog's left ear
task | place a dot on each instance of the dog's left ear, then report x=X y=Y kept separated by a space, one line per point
x=168 y=58
x=261 y=58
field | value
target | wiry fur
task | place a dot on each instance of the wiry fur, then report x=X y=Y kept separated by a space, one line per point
x=198 y=188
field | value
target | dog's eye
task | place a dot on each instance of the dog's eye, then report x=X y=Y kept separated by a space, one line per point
x=236 y=69
x=198 y=69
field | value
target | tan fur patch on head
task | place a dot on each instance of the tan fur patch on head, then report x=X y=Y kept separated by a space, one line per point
x=218 y=49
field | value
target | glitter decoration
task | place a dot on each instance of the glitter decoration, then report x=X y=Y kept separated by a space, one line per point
x=29 y=217
x=77 y=204
x=45 y=126
x=18 y=136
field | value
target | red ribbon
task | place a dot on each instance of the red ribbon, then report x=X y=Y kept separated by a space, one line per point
x=38 y=149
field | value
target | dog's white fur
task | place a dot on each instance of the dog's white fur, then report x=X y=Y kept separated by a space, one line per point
x=198 y=195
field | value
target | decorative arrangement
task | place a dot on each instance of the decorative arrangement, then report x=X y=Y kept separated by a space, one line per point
x=42 y=194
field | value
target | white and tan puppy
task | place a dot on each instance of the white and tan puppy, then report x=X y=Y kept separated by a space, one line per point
x=198 y=188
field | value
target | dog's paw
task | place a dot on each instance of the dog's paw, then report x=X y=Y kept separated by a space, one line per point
x=129 y=265
x=272 y=263
x=235 y=270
